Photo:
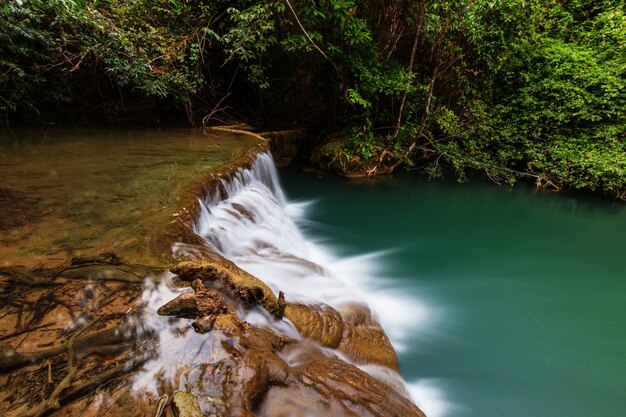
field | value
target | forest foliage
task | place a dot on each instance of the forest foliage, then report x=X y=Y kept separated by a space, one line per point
x=533 y=88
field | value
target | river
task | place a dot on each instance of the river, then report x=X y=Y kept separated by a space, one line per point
x=520 y=295
x=499 y=301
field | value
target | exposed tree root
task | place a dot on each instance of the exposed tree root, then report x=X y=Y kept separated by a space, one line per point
x=52 y=403
x=106 y=266
x=105 y=341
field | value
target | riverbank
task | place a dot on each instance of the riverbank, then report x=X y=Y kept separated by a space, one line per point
x=251 y=350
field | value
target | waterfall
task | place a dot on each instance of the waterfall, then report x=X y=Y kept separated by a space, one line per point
x=249 y=221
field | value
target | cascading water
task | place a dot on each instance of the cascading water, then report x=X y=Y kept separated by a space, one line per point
x=249 y=221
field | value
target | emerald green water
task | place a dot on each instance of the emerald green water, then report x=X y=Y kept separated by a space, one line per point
x=525 y=291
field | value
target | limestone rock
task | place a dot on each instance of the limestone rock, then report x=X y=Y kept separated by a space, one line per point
x=240 y=284
x=182 y=306
x=184 y=404
x=321 y=323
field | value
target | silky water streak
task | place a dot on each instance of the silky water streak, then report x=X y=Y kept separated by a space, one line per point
x=248 y=220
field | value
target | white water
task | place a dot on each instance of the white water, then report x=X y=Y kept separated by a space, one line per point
x=250 y=222
x=267 y=242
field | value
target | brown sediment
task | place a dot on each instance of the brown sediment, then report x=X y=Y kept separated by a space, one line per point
x=68 y=193
x=251 y=371
x=61 y=341
x=17 y=209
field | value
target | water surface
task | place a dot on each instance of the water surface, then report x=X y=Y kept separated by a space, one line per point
x=524 y=291
x=66 y=196
x=70 y=192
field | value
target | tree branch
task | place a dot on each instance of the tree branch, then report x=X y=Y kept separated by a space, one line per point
x=306 y=34
x=418 y=31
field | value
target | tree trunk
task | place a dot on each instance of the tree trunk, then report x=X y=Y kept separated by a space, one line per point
x=418 y=31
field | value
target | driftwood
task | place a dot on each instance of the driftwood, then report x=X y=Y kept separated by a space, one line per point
x=81 y=285
x=66 y=391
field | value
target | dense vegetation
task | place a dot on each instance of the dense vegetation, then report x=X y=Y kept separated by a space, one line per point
x=510 y=87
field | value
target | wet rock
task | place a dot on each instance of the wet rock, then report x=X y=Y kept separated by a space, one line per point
x=326 y=387
x=206 y=306
x=203 y=324
x=205 y=270
x=184 y=404
x=368 y=344
x=243 y=211
x=257 y=367
x=321 y=323
x=364 y=342
x=208 y=302
x=262 y=382
x=9 y=358
x=282 y=305
x=357 y=314
x=200 y=303
x=271 y=375
x=248 y=289
x=182 y=306
x=229 y=323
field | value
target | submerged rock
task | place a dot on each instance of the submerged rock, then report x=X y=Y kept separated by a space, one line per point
x=184 y=306
x=9 y=358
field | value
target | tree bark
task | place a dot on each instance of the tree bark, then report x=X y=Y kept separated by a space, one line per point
x=418 y=31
